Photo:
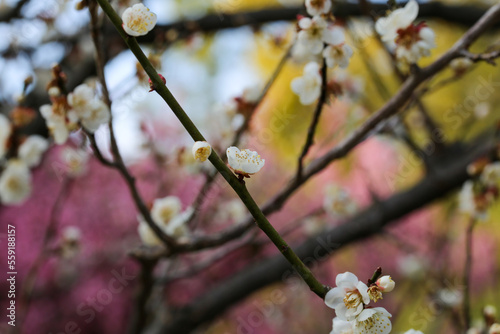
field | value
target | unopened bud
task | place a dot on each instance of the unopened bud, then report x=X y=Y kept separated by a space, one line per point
x=385 y=283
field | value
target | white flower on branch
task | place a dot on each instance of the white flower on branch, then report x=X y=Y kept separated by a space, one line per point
x=5 y=131
x=349 y=297
x=312 y=34
x=244 y=162
x=402 y=18
x=308 y=86
x=59 y=125
x=32 y=149
x=338 y=54
x=164 y=209
x=138 y=20
x=318 y=7
x=373 y=321
x=15 y=182
x=201 y=150
x=80 y=98
x=411 y=41
x=91 y=111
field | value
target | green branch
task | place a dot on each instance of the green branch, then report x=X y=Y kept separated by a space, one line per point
x=221 y=167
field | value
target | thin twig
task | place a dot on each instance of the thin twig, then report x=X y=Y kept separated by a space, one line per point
x=315 y=120
x=118 y=160
x=467 y=273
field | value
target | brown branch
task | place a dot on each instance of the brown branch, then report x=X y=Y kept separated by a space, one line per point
x=488 y=57
x=315 y=120
x=140 y=315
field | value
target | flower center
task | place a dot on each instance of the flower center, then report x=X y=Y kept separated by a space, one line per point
x=352 y=299
x=409 y=35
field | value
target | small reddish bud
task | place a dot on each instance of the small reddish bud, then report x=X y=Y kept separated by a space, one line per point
x=152 y=85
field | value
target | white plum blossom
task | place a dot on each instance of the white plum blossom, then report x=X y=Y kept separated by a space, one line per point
x=410 y=41
x=138 y=20
x=340 y=326
x=91 y=111
x=349 y=297
x=201 y=150
x=59 y=126
x=338 y=203
x=99 y=114
x=164 y=209
x=15 y=182
x=5 y=131
x=402 y=18
x=337 y=53
x=318 y=7
x=80 y=98
x=244 y=162
x=373 y=321
x=32 y=149
x=412 y=331
x=308 y=86
x=75 y=161
x=312 y=33
x=385 y=283
x=412 y=51
x=70 y=238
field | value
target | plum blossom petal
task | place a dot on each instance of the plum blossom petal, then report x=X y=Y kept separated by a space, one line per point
x=138 y=20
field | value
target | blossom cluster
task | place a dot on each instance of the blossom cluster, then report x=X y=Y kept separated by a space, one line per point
x=17 y=155
x=478 y=195
x=67 y=111
x=350 y=299
x=408 y=40
x=168 y=215
x=317 y=37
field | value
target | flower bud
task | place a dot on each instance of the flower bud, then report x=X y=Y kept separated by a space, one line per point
x=201 y=150
x=385 y=283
